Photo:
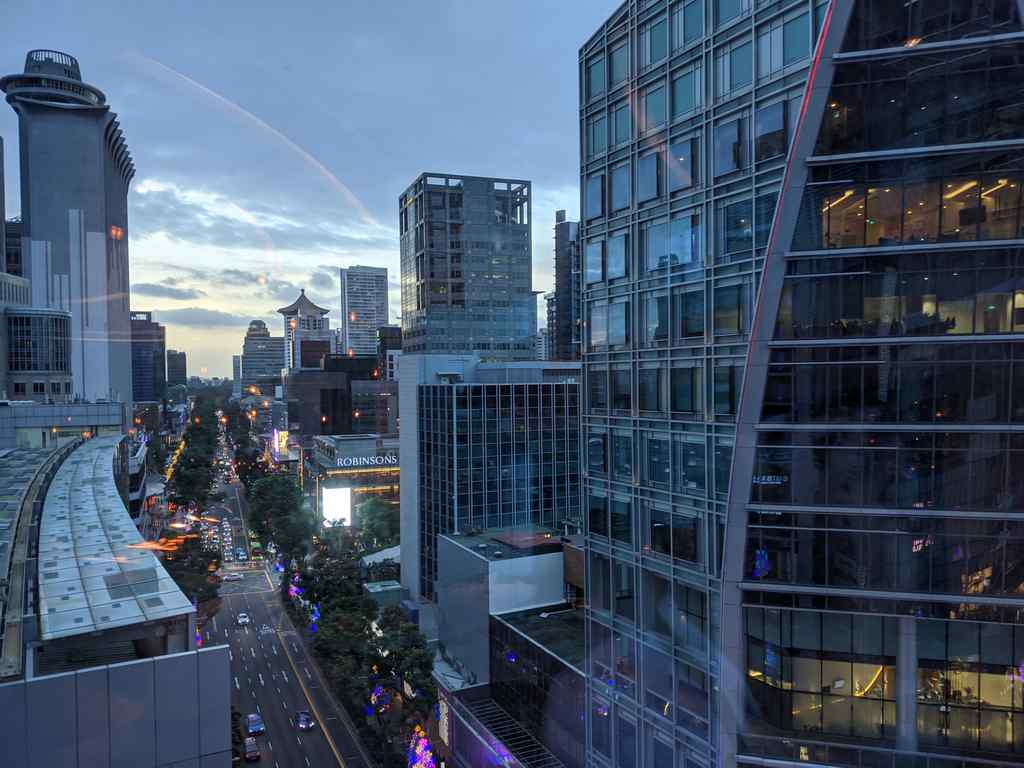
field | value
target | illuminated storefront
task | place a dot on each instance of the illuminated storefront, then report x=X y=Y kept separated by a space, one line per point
x=343 y=472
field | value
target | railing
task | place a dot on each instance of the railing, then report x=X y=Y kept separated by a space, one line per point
x=774 y=751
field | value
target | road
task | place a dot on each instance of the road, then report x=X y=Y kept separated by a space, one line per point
x=271 y=674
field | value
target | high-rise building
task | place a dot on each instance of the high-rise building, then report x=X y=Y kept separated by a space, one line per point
x=364 y=309
x=177 y=368
x=389 y=351
x=12 y=247
x=497 y=447
x=564 y=308
x=467 y=280
x=149 y=366
x=262 y=355
x=543 y=345
x=307 y=333
x=874 y=554
x=687 y=110
x=236 y=375
x=75 y=173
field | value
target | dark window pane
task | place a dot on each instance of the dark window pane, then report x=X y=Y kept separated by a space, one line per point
x=770 y=131
x=682 y=166
x=650 y=389
x=741 y=66
x=739 y=227
x=796 y=37
x=594 y=261
x=595 y=196
x=728 y=147
x=595 y=78
x=684 y=240
x=656 y=246
x=620 y=64
x=659 y=41
x=620 y=188
x=648 y=177
x=622 y=125
x=618 y=324
x=764 y=210
x=654 y=107
x=684 y=94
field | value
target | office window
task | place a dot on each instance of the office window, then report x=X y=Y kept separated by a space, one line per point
x=796 y=39
x=595 y=196
x=653 y=43
x=685 y=93
x=597 y=136
x=621 y=122
x=617 y=256
x=622 y=389
x=656 y=245
x=598 y=389
x=741 y=66
x=682 y=164
x=597 y=514
x=686 y=388
x=729 y=143
x=654 y=107
x=38 y=388
x=658 y=464
x=620 y=64
x=727 y=389
x=597 y=455
x=54 y=387
x=620 y=187
x=655 y=319
x=598 y=326
x=649 y=382
x=738 y=227
x=770 y=131
x=622 y=456
x=648 y=177
x=595 y=78
x=727 y=10
x=687 y=23
x=67 y=387
x=764 y=210
x=622 y=521
x=594 y=258
x=684 y=240
x=782 y=42
x=618 y=324
x=688 y=308
x=729 y=310
x=19 y=387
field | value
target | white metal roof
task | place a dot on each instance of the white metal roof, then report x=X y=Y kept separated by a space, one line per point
x=93 y=573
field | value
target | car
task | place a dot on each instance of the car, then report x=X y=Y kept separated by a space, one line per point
x=252 y=750
x=240 y=554
x=304 y=721
x=243 y=620
x=254 y=724
x=231 y=577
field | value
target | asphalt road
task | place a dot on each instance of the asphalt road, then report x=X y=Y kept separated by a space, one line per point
x=271 y=674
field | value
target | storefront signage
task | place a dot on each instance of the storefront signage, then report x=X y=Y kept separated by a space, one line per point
x=390 y=460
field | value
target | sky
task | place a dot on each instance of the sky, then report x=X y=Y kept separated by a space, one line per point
x=272 y=140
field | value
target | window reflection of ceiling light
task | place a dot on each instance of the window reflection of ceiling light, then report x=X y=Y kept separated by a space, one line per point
x=999 y=185
x=961 y=189
x=912 y=42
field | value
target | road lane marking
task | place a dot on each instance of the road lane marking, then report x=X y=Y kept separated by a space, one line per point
x=260 y=676
x=253 y=652
x=316 y=712
x=298 y=739
x=306 y=670
x=283 y=706
x=284 y=675
x=270 y=744
x=307 y=760
x=231 y=656
x=236 y=684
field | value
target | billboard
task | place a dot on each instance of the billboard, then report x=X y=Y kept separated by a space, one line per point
x=337 y=506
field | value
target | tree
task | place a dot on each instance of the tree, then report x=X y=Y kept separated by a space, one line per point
x=275 y=512
x=379 y=523
x=403 y=659
x=191 y=566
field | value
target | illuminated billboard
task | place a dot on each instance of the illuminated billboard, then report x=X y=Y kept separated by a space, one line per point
x=337 y=506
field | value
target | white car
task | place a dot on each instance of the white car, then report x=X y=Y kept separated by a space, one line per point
x=231 y=577
x=243 y=619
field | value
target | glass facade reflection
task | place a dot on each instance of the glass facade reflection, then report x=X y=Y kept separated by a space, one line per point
x=874 y=544
x=687 y=110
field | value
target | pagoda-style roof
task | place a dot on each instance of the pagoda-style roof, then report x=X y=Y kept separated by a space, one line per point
x=303 y=306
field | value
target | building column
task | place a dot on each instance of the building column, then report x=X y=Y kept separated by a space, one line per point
x=906 y=684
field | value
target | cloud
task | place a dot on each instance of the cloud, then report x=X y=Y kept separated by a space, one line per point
x=322 y=280
x=166 y=291
x=201 y=217
x=197 y=317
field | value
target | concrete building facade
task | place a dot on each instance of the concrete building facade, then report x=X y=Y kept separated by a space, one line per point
x=364 y=309
x=262 y=355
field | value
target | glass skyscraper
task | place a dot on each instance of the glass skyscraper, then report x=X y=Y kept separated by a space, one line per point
x=874 y=565
x=467 y=279
x=687 y=111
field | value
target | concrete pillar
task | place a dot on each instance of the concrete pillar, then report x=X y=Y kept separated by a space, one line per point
x=906 y=684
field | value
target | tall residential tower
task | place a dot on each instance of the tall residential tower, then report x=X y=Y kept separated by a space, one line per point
x=364 y=309
x=75 y=173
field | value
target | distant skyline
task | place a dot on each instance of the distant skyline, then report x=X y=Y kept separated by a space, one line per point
x=272 y=146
